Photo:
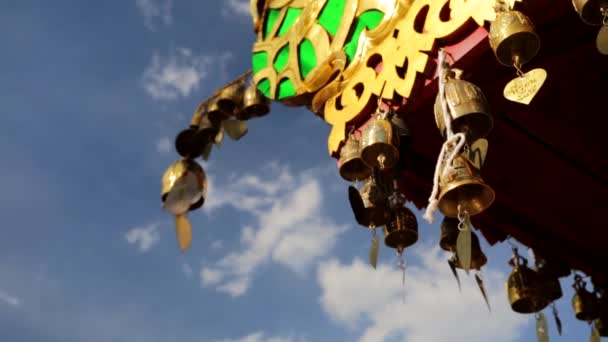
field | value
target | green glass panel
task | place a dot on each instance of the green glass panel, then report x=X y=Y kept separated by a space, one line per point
x=281 y=59
x=271 y=20
x=290 y=18
x=307 y=58
x=259 y=61
x=264 y=87
x=286 y=89
x=330 y=17
x=367 y=20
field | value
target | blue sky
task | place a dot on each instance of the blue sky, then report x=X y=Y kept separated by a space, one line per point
x=92 y=94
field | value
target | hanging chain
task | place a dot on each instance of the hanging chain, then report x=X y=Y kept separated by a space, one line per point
x=463 y=219
x=605 y=15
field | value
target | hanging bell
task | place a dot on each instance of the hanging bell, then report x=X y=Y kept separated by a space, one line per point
x=478 y=258
x=207 y=129
x=523 y=287
x=378 y=144
x=352 y=167
x=216 y=114
x=449 y=234
x=402 y=230
x=548 y=275
x=189 y=143
x=375 y=202
x=255 y=104
x=513 y=39
x=590 y=11
x=468 y=109
x=584 y=302
x=463 y=186
x=184 y=187
x=230 y=97
x=601 y=323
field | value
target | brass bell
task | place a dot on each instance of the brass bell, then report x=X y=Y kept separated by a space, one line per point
x=584 y=302
x=523 y=287
x=230 y=97
x=378 y=144
x=601 y=323
x=207 y=129
x=189 y=143
x=468 y=109
x=255 y=104
x=478 y=258
x=402 y=230
x=375 y=202
x=513 y=39
x=352 y=167
x=449 y=234
x=548 y=275
x=590 y=11
x=463 y=186
x=184 y=187
x=216 y=114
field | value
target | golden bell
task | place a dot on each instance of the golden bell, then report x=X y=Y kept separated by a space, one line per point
x=378 y=144
x=464 y=186
x=375 y=201
x=601 y=324
x=449 y=234
x=255 y=104
x=402 y=230
x=584 y=303
x=352 y=167
x=513 y=39
x=207 y=129
x=468 y=108
x=230 y=97
x=189 y=143
x=216 y=114
x=590 y=11
x=523 y=288
x=548 y=275
x=189 y=176
x=478 y=258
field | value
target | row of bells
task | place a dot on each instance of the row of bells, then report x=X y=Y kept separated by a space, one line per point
x=234 y=101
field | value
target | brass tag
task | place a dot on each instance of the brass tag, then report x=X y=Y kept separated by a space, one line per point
x=373 y=251
x=183 y=230
x=524 y=88
x=602 y=40
x=477 y=153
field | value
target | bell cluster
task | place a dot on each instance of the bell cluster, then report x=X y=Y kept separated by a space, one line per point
x=595 y=13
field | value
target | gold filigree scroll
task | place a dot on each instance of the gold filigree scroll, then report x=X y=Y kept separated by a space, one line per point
x=339 y=90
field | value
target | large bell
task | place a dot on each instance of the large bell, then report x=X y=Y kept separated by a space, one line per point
x=478 y=258
x=513 y=39
x=590 y=11
x=449 y=234
x=230 y=97
x=468 y=109
x=523 y=288
x=184 y=187
x=352 y=167
x=255 y=104
x=584 y=303
x=375 y=202
x=402 y=230
x=463 y=186
x=378 y=144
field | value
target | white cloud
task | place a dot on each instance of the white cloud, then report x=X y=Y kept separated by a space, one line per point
x=164 y=145
x=356 y=295
x=289 y=225
x=144 y=237
x=238 y=7
x=261 y=337
x=181 y=73
x=9 y=299
x=153 y=10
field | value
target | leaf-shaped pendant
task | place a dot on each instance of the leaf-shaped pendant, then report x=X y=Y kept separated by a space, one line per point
x=463 y=249
x=236 y=129
x=183 y=230
x=482 y=288
x=207 y=151
x=595 y=335
x=455 y=272
x=541 y=328
x=558 y=322
x=373 y=251
x=219 y=137
x=523 y=88
x=602 y=40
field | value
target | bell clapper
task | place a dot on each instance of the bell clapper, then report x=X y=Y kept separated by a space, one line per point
x=381 y=160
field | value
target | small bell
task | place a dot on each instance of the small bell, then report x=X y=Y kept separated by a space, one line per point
x=463 y=186
x=523 y=287
x=352 y=167
x=590 y=11
x=207 y=129
x=513 y=39
x=230 y=97
x=255 y=104
x=601 y=323
x=402 y=230
x=375 y=202
x=216 y=114
x=548 y=275
x=378 y=144
x=189 y=143
x=468 y=109
x=478 y=258
x=449 y=234
x=584 y=302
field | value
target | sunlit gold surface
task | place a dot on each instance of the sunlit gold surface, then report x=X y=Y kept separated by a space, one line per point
x=177 y=171
x=523 y=289
x=512 y=35
x=402 y=230
x=378 y=144
x=590 y=10
x=352 y=167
